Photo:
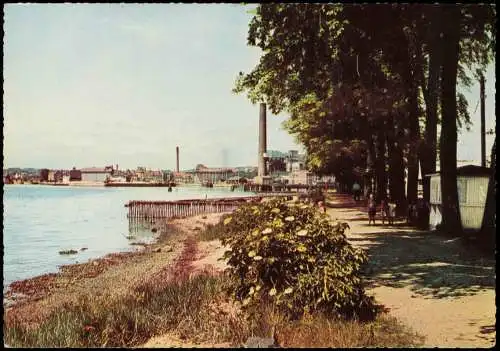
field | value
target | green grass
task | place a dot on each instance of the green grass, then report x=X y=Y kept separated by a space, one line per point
x=212 y=231
x=191 y=310
x=132 y=320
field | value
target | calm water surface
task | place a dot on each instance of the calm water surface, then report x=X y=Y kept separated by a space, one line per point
x=39 y=221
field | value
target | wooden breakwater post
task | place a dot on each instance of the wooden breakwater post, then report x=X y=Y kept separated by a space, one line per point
x=185 y=208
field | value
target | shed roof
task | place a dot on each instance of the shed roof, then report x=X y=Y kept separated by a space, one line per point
x=469 y=170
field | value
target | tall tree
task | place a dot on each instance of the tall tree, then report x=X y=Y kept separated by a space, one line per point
x=430 y=90
x=451 y=18
x=488 y=228
x=337 y=71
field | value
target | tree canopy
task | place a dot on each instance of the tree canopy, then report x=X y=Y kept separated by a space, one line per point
x=365 y=85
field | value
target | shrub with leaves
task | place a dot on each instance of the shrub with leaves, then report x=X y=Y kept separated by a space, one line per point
x=292 y=255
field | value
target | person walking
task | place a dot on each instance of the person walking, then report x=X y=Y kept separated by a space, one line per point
x=356 y=191
x=372 y=209
x=391 y=209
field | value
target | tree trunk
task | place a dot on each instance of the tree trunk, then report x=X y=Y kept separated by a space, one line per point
x=380 y=165
x=448 y=142
x=488 y=228
x=429 y=150
x=396 y=169
x=412 y=181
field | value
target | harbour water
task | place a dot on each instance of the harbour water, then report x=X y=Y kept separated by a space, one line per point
x=39 y=221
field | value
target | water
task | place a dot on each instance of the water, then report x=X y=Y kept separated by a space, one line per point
x=39 y=221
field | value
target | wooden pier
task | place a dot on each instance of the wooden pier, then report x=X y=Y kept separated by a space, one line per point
x=185 y=208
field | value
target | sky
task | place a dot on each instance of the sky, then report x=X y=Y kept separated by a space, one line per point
x=98 y=84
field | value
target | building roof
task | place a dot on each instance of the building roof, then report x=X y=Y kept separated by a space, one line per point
x=181 y=174
x=94 y=170
x=469 y=170
x=275 y=154
x=203 y=168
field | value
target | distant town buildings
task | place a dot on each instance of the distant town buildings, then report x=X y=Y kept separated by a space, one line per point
x=283 y=167
x=182 y=177
x=290 y=168
x=204 y=174
x=75 y=174
x=96 y=174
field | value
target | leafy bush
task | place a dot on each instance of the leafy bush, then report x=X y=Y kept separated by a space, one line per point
x=290 y=254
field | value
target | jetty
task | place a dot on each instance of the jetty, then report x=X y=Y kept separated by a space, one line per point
x=193 y=207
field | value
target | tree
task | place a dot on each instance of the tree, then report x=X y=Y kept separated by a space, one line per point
x=352 y=83
x=488 y=228
x=451 y=18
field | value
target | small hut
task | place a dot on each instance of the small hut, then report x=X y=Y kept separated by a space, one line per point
x=472 y=183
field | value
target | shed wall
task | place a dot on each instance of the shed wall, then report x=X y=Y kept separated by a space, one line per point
x=472 y=197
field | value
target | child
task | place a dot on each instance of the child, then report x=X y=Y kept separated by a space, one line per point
x=384 y=211
x=372 y=210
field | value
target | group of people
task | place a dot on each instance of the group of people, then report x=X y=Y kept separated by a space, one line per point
x=387 y=206
x=418 y=212
x=387 y=210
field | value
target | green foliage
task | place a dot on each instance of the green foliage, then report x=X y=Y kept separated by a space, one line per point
x=342 y=71
x=290 y=254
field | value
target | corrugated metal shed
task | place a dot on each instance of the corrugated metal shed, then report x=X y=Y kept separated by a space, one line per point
x=472 y=183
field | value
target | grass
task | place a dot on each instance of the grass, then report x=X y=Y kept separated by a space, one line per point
x=196 y=310
x=212 y=231
x=187 y=308
x=320 y=331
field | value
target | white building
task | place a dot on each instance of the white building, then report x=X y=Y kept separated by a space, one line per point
x=303 y=177
x=472 y=183
x=294 y=161
x=95 y=174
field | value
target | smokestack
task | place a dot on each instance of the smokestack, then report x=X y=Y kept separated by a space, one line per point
x=177 y=159
x=262 y=141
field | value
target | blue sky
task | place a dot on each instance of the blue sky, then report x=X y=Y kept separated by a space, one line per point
x=91 y=85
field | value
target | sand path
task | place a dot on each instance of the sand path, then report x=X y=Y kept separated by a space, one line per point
x=431 y=283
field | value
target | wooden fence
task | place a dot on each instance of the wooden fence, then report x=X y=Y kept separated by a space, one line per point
x=184 y=208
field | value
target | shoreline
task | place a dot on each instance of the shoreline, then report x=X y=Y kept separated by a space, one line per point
x=117 y=271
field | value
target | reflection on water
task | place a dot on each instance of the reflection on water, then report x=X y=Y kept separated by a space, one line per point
x=142 y=230
x=40 y=221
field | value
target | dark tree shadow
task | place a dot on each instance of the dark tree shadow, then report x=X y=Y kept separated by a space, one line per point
x=487 y=329
x=431 y=265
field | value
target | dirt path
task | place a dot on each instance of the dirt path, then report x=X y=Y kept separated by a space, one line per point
x=429 y=282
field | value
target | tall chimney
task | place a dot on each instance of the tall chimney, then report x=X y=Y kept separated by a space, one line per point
x=177 y=159
x=261 y=171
